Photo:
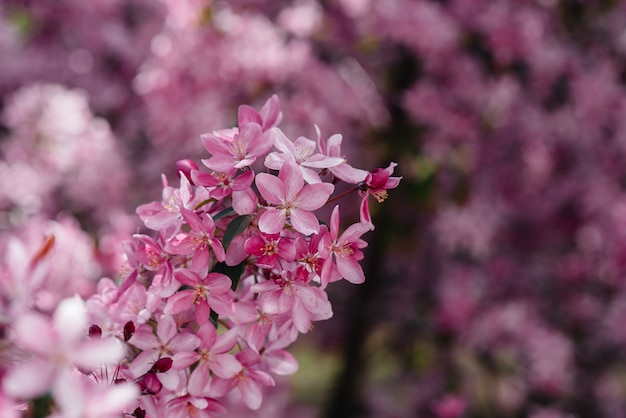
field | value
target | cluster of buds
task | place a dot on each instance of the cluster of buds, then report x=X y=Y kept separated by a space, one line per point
x=236 y=268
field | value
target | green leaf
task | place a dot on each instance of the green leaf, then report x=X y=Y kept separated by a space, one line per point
x=235 y=227
x=225 y=212
x=204 y=202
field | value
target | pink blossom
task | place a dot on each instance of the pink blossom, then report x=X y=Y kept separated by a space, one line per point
x=221 y=185
x=302 y=151
x=270 y=249
x=76 y=396
x=376 y=184
x=291 y=294
x=291 y=199
x=204 y=294
x=57 y=344
x=248 y=381
x=166 y=342
x=236 y=148
x=346 y=249
x=197 y=241
x=193 y=406
x=212 y=357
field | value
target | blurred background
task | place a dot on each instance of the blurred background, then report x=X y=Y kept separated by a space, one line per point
x=496 y=270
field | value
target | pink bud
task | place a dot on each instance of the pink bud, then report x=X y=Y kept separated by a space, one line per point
x=129 y=330
x=162 y=365
x=186 y=167
x=95 y=331
x=377 y=178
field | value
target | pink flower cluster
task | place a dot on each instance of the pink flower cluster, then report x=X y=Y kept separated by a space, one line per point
x=236 y=268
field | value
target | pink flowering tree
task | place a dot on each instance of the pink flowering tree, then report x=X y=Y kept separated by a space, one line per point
x=209 y=298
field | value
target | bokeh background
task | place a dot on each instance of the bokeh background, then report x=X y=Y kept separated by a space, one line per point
x=496 y=271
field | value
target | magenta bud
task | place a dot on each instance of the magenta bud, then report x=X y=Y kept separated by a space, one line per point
x=162 y=365
x=150 y=384
x=129 y=330
x=377 y=178
x=139 y=413
x=185 y=167
x=95 y=331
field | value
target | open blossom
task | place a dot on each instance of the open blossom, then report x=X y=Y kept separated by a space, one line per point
x=291 y=199
x=212 y=357
x=203 y=294
x=57 y=345
x=207 y=304
x=193 y=406
x=197 y=241
x=248 y=381
x=221 y=185
x=291 y=294
x=346 y=249
x=302 y=151
x=166 y=343
x=76 y=396
x=270 y=249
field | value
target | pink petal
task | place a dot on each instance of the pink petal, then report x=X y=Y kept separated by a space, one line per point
x=350 y=270
x=247 y=114
x=166 y=328
x=354 y=232
x=244 y=201
x=144 y=338
x=301 y=317
x=243 y=181
x=221 y=163
x=179 y=302
x=112 y=400
x=220 y=387
x=222 y=305
x=184 y=359
x=271 y=188
x=251 y=393
x=187 y=277
x=28 y=380
x=304 y=222
x=184 y=342
x=198 y=384
x=349 y=174
x=226 y=341
x=281 y=362
x=275 y=161
x=272 y=221
x=218 y=282
x=225 y=365
x=70 y=320
x=314 y=196
x=94 y=353
x=291 y=176
x=322 y=161
x=34 y=333
x=310 y=176
x=215 y=142
x=192 y=219
x=281 y=142
x=270 y=112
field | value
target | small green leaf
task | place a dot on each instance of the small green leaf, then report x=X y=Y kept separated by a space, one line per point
x=204 y=202
x=213 y=318
x=225 y=212
x=236 y=227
